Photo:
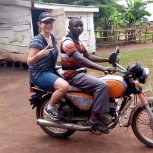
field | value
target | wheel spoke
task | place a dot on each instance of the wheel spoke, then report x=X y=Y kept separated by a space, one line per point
x=52 y=129
x=146 y=130
x=142 y=122
x=143 y=125
x=142 y=119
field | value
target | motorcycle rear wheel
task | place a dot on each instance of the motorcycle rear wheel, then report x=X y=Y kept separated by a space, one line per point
x=51 y=131
x=141 y=126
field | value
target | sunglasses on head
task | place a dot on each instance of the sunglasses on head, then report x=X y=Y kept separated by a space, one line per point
x=48 y=21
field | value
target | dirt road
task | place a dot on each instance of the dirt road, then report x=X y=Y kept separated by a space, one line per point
x=125 y=48
x=19 y=132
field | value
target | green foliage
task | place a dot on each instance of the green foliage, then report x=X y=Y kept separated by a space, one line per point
x=133 y=15
x=77 y=2
x=58 y=1
x=102 y=18
x=112 y=14
x=81 y=2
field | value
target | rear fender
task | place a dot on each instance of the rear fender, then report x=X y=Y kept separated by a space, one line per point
x=38 y=99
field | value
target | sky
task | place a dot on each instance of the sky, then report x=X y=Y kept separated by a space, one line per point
x=150 y=9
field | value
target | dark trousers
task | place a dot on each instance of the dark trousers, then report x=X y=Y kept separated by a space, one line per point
x=94 y=86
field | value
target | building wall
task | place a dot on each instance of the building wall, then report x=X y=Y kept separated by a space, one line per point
x=88 y=35
x=15 y=31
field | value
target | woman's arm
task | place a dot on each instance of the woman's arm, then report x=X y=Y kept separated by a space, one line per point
x=34 y=54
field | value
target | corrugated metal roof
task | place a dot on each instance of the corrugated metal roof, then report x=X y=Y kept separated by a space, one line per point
x=67 y=8
x=42 y=5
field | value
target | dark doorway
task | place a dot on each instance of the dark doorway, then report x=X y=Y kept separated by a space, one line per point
x=35 y=18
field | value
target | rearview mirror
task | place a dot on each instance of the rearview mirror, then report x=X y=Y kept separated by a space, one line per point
x=113 y=59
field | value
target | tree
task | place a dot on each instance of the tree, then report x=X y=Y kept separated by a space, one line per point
x=133 y=15
x=130 y=16
x=102 y=18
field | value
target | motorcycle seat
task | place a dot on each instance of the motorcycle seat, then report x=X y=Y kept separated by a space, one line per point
x=35 y=88
x=73 y=88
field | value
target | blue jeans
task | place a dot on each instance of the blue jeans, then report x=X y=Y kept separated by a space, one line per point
x=46 y=80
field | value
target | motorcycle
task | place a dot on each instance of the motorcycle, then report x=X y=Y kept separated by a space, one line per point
x=75 y=107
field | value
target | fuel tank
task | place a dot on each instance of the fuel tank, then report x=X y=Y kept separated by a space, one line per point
x=116 y=85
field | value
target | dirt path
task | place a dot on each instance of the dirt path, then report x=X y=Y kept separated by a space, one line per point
x=19 y=132
x=127 y=47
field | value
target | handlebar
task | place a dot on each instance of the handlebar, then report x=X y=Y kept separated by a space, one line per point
x=121 y=68
x=118 y=68
x=107 y=72
x=114 y=60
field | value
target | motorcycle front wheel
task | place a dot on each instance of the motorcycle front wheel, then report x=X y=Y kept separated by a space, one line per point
x=51 y=131
x=141 y=126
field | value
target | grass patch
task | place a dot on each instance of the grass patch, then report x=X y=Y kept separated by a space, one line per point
x=144 y=56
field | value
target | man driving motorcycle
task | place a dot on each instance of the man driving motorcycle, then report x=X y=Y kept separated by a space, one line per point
x=75 y=59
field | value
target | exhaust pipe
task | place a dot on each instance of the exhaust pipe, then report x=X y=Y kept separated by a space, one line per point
x=59 y=124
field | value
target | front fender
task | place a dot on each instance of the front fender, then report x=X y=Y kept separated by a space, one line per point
x=138 y=106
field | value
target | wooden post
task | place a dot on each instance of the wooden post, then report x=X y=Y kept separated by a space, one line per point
x=21 y=66
x=13 y=64
x=1 y=62
x=145 y=35
x=5 y=63
x=139 y=35
x=115 y=33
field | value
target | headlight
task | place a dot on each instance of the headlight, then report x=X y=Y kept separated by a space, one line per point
x=144 y=75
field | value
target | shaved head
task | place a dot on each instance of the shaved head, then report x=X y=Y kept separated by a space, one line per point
x=76 y=26
x=72 y=20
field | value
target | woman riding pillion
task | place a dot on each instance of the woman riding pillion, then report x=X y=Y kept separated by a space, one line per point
x=42 y=58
